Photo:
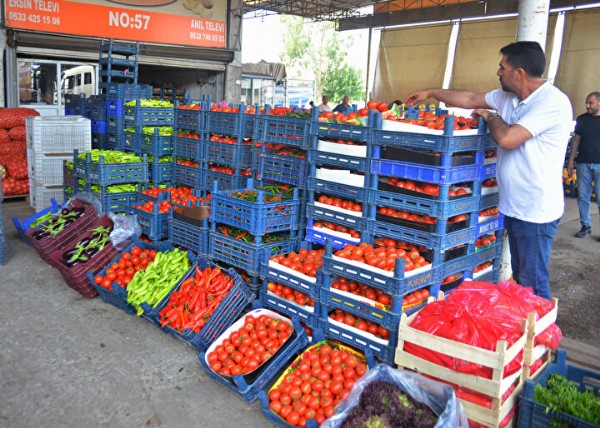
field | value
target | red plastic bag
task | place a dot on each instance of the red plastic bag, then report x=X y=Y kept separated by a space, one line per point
x=17 y=133
x=4 y=138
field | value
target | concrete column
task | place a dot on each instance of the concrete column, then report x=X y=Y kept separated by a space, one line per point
x=2 y=49
x=233 y=72
x=532 y=23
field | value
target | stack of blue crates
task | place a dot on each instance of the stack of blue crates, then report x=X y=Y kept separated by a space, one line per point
x=230 y=165
x=283 y=153
x=118 y=63
x=117 y=94
x=97 y=107
x=188 y=142
x=340 y=163
x=103 y=174
x=257 y=222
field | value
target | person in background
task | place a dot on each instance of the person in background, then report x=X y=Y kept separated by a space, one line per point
x=585 y=144
x=531 y=125
x=344 y=107
x=324 y=106
x=311 y=104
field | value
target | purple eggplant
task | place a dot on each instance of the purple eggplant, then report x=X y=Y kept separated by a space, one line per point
x=84 y=242
x=90 y=252
x=65 y=211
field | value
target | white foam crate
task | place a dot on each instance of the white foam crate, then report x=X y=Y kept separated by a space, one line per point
x=46 y=170
x=58 y=134
x=39 y=196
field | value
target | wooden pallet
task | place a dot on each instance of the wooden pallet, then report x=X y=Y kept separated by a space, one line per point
x=496 y=360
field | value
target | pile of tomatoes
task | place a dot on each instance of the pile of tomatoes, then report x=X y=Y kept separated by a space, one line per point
x=247 y=348
x=428 y=119
x=122 y=272
x=489 y=212
x=228 y=170
x=336 y=228
x=148 y=206
x=290 y=294
x=181 y=195
x=315 y=383
x=226 y=108
x=188 y=134
x=451 y=278
x=489 y=182
x=482 y=266
x=360 y=324
x=384 y=254
x=427 y=188
x=415 y=298
x=362 y=290
x=304 y=261
x=192 y=106
x=340 y=203
x=485 y=241
x=345 y=142
x=188 y=162
x=227 y=139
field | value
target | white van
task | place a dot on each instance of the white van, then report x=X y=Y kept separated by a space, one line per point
x=79 y=80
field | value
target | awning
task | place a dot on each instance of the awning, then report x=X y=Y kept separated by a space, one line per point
x=272 y=70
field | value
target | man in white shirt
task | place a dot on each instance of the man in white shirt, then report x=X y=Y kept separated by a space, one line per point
x=324 y=106
x=531 y=126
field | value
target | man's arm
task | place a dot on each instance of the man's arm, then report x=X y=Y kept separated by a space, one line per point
x=574 y=149
x=457 y=98
x=506 y=136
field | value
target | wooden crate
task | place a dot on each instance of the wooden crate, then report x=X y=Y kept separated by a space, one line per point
x=496 y=360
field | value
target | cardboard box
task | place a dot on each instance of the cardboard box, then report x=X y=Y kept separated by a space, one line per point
x=192 y=215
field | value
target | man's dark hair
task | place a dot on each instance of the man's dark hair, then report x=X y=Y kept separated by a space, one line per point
x=526 y=55
x=595 y=95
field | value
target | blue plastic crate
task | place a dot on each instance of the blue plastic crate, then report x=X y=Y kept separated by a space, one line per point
x=189 y=119
x=233 y=155
x=226 y=313
x=189 y=235
x=244 y=255
x=359 y=194
x=329 y=213
x=148 y=116
x=248 y=387
x=305 y=314
x=439 y=208
x=156 y=145
x=155 y=225
x=332 y=299
x=98 y=126
x=490 y=225
x=69 y=111
x=259 y=217
x=537 y=415
x=188 y=175
x=25 y=224
x=446 y=143
x=160 y=172
x=274 y=272
x=394 y=283
x=98 y=109
x=295 y=132
x=116 y=202
x=344 y=131
x=282 y=169
x=355 y=163
x=114 y=109
x=99 y=141
x=489 y=200
x=131 y=140
x=191 y=148
x=238 y=124
x=321 y=236
x=105 y=174
x=118 y=295
x=128 y=92
x=427 y=173
x=225 y=181
x=383 y=350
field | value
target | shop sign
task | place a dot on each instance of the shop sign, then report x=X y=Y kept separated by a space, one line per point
x=187 y=22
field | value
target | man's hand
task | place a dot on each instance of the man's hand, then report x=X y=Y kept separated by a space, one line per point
x=417 y=97
x=570 y=168
x=481 y=112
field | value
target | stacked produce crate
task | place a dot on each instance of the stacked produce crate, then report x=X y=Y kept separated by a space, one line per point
x=340 y=162
x=97 y=109
x=113 y=176
x=284 y=138
x=118 y=63
x=168 y=91
x=50 y=142
x=251 y=224
x=117 y=94
x=435 y=188
x=228 y=149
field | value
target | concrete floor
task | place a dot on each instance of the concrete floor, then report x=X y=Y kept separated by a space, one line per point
x=67 y=361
